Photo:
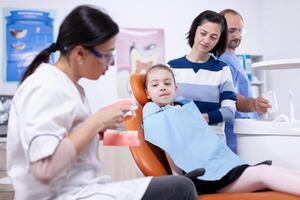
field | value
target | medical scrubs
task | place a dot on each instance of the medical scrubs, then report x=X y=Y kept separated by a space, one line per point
x=242 y=87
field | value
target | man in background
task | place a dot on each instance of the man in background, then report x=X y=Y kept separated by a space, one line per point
x=247 y=106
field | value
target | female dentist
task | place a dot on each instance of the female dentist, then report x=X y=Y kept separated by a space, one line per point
x=52 y=144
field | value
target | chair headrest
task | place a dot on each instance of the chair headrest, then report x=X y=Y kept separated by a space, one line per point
x=137 y=86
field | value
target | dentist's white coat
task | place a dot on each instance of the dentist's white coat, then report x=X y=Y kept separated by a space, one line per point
x=45 y=108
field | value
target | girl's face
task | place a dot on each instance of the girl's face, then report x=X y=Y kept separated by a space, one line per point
x=160 y=87
x=206 y=37
x=97 y=61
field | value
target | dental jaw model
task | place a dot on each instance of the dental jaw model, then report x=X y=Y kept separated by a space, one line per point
x=120 y=136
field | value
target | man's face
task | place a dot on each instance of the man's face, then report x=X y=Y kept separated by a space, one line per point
x=235 y=30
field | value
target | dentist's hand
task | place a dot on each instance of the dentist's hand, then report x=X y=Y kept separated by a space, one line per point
x=111 y=116
x=260 y=105
x=246 y=104
x=108 y=117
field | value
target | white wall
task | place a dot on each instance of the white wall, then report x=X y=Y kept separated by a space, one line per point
x=264 y=35
x=280 y=40
x=280 y=29
x=174 y=17
x=270 y=30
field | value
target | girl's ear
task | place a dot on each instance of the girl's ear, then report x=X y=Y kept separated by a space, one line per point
x=146 y=92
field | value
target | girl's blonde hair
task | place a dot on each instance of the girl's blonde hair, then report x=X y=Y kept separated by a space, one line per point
x=158 y=66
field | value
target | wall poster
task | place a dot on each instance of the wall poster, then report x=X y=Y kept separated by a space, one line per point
x=5 y=102
x=26 y=33
x=137 y=50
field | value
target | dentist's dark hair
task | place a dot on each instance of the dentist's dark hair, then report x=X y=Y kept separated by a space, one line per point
x=213 y=17
x=86 y=26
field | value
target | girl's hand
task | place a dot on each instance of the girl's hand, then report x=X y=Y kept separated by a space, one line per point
x=205 y=116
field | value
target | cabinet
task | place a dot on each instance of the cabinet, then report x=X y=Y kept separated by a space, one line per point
x=277 y=64
x=281 y=76
x=284 y=64
x=255 y=77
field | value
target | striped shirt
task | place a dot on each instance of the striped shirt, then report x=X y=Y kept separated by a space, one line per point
x=209 y=85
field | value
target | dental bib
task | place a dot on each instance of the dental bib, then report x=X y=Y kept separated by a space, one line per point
x=183 y=133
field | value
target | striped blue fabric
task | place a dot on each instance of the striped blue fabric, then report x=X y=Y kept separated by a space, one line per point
x=209 y=85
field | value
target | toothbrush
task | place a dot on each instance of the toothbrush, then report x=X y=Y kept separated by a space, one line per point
x=292 y=112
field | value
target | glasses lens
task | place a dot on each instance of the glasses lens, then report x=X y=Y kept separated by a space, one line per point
x=236 y=30
x=109 y=57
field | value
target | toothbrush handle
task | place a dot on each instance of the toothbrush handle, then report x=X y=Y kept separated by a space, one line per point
x=292 y=111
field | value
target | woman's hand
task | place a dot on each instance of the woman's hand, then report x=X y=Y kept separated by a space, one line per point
x=108 y=117
x=111 y=116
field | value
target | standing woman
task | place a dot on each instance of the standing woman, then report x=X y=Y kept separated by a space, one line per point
x=53 y=139
x=201 y=76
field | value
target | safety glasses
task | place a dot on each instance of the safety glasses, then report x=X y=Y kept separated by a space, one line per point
x=108 y=56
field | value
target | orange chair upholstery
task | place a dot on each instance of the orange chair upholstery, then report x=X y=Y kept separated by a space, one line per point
x=152 y=161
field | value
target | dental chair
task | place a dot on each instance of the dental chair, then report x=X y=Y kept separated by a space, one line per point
x=152 y=161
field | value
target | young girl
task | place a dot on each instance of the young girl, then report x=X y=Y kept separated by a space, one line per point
x=177 y=127
x=52 y=144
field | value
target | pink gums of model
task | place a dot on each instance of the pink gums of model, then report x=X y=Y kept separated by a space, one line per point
x=121 y=137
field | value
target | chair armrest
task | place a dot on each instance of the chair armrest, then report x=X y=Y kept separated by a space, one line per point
x=195 y=173
x=266 y=162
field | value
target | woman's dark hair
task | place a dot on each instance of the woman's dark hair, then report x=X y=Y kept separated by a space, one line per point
x=158 y=66
x=213 y=17
x=86 y=26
